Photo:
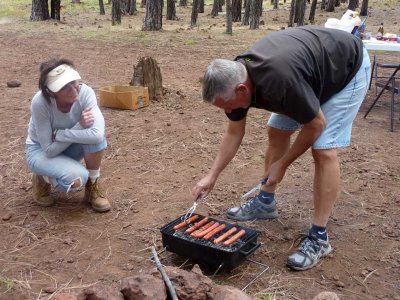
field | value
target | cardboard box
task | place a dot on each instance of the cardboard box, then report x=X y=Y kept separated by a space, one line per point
x=124 y=97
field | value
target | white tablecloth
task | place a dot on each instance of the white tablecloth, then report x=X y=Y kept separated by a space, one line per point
x=376 y=45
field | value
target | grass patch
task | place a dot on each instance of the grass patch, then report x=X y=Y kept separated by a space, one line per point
x=22 y=8
x=7 y=283
x=190 y=42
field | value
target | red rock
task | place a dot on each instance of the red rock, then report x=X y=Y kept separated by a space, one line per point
x=14 y=83
x=100 y=292
x=65 y=296
x=326 y=296
x=225 y=292
x=143 y=287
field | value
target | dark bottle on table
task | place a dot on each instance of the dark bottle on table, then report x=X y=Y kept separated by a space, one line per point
x=379 y=35
x=380 y=29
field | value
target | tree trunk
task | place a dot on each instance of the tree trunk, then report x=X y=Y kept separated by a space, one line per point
x=364 y=8
x=101 y=6
x=55 y=9
x=171 y=10
x=116 y=12
x=125 y=6
x=143 y=3
x=313 y=7
x=195 y=13
x=229 y=17
x=183 y=3
x=300 y=12
x=275 y=3
x=292 y=13
x=220 y=4
x=246 y=16
x=132 y=7
x=330 y=6
x=337 y=3
x=260 y=8
x=323 y=4
x=215 y=8
x=40 y=10
x=201 y=6
x=353 y=4
x=255 y=7
x=153 y=18
x=147 y=73
x=236 y=10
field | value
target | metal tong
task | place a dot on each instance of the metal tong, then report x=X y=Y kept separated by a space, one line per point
x=256 y=188
x=192 y=209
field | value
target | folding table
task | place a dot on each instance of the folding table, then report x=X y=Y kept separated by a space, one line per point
x=376 y=45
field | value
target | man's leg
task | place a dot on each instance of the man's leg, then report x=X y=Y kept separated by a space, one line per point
x=263 y=206
x=326 y=192
x=278 y=145
x=326 y=184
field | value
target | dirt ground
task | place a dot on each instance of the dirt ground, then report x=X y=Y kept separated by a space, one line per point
x=156 y=154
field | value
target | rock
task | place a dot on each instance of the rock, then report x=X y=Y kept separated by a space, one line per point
x=7 y=216
x=339 y=284
x=326 y=296
x=189 y=285
x=143 y=287
x=14 y=83
x=65 y=296
x=196 y=269
x=49 y=289
x=100 y=292
x=225 y=292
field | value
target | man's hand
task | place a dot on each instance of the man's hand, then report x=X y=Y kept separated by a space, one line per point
x=87 y=118
x=203 y=187
x=275 y=173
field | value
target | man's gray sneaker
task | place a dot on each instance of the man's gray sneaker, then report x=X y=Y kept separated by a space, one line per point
x=311 y=250
x=253 y=209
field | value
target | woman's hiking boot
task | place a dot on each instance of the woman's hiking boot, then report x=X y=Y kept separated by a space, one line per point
x=41 y=191
x=95 y=197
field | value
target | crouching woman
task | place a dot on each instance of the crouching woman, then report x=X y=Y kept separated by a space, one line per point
x=66 y=126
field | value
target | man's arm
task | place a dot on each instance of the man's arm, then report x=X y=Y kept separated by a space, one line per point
x=227 y=151
x=305 y=139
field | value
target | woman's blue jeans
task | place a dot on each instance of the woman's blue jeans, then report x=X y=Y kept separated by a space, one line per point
x=64 y=168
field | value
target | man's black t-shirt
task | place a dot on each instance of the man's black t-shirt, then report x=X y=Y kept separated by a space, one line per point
x=296 y=70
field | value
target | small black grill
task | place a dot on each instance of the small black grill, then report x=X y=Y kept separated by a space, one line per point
x=206 y=252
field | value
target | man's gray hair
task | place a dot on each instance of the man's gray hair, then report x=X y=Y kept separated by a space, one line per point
x=221 y=78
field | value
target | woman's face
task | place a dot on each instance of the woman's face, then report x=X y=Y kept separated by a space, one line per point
x=69 y=93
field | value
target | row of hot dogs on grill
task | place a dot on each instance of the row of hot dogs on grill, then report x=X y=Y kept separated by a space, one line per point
x=206 y=229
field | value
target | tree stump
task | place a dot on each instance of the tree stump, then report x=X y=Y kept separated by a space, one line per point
x=147 y=73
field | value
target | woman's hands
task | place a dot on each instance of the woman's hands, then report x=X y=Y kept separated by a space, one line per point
x=87 y=118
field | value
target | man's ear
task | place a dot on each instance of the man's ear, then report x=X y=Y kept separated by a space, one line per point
x=242 y=89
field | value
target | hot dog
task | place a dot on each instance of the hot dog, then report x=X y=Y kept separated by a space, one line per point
x=225 y=235
x=214 y=231
x=186 y=222
x=197 y=225
x=206 y=231
x=205 y=227
x=234 y=238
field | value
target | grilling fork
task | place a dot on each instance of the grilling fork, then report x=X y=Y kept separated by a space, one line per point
x=257 y=187
x=192 y=209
